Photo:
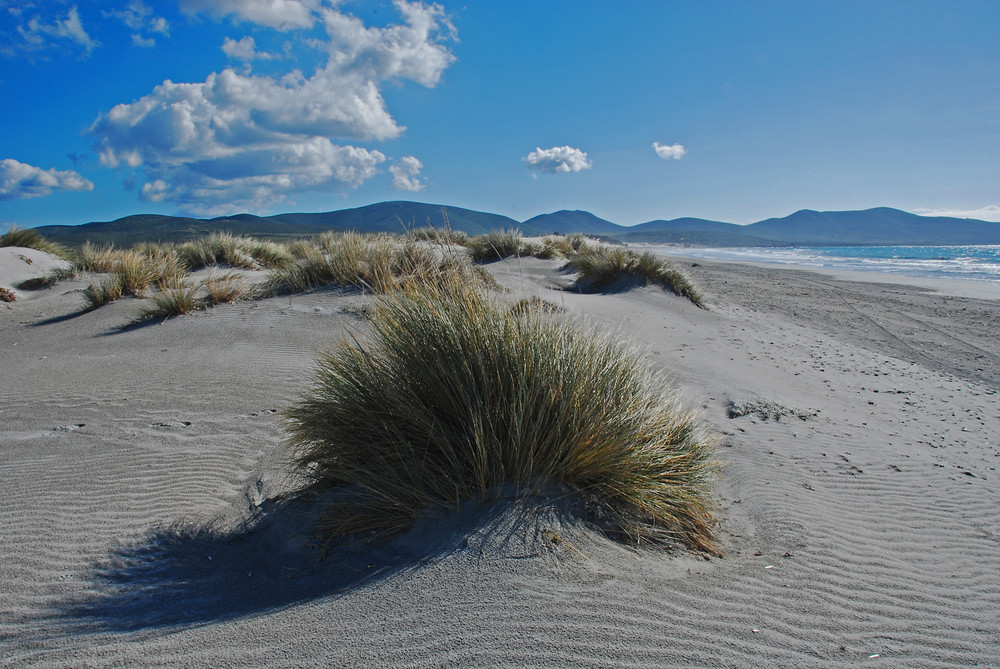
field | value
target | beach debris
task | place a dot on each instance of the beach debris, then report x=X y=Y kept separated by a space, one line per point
x=767 y=410
x=7 y=295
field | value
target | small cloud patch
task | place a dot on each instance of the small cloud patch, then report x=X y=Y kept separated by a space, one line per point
x=558 y=159
x=669 y=151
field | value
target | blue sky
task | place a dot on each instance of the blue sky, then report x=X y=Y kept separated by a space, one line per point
x=733 y=111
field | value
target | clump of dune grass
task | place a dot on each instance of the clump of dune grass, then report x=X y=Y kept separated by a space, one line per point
x=223 y=248
x=377 y=263
x=31 y=239
x=96 y=258
x=527 y=304
x=52 y=278
x=172 y=300
x=7 y=295
x=438 y=235
x=602 y=266
x=570 y=245
x=455 y=396
x=496 y=245
x=105 y=291
x=226 y=288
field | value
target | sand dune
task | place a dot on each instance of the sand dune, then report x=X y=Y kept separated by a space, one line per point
x=137 y=468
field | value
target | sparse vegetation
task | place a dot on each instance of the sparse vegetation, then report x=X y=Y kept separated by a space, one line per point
x=379 y=263
x=105 y=291
x=601 y=267
x=496 y=245
x=455 y=397
x=226 y=288
x=173 y=300
x=30 y=239
x=233 y=251
x=7 y=295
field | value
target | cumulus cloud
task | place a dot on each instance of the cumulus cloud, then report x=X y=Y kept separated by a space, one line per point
x=278 y=14
x=990 y=212
x=406 y=174
x=669 y=151
x=38 y=33
x=558 y=159
x=20 y=180
x=249 y=140
x=245 y=49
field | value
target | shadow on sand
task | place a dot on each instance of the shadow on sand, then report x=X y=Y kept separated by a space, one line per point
x=185 y=575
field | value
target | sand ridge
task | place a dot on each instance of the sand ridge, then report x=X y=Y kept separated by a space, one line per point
x=134 y=461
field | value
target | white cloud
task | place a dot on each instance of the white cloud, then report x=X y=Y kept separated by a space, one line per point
x=20 y=180
x=558 y=159
x=278 y=14
x=248 y=139
x=406 y=174
x=669 y=151
x=38 y=33
x=245 y=49
x=138 y=16
x=990 y=212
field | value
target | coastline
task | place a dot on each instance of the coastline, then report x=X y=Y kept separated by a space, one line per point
x=957 y=287
x=860 y=527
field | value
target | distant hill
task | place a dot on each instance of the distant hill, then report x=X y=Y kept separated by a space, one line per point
x=881 y=225
x=567 y=222
x=380 y=217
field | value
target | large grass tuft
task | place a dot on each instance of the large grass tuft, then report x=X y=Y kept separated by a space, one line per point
x=602 y=266
x=496 y=245
x=377 y=263
x=456 y=396
x=223 y=248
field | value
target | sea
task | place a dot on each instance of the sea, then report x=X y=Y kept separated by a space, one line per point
x=972 y=263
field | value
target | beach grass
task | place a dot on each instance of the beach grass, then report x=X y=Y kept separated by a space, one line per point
x=456 y=396
x=32 y=239
x=495 y=245
x=224 y=289
x=230 y=250
x=108 y=289
x=376 y=263
x=601 y=267
x=176 y=299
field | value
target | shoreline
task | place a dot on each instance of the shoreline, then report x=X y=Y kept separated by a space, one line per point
x=954 y=286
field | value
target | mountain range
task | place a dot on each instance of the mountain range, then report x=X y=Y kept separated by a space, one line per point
x=881 y=225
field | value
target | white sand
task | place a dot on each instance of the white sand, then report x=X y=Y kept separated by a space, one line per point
x=130 y=459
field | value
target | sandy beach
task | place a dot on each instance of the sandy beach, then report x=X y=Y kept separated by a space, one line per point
x=859 y=528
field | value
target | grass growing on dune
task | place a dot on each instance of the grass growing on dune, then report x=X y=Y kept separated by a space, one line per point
x=495 y=245
x=601 y=266
x=378 y=263
x=223 y=248
x=173 y=300
x=105 y=291
x=457 y=395
x=31 y=239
